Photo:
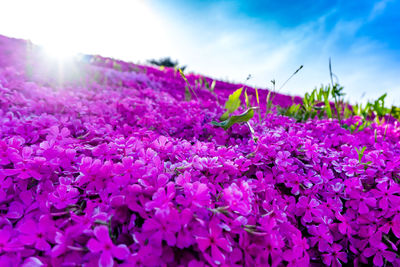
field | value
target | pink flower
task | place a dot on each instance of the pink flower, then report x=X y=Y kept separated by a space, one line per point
x=334 y=255
x=103 y=244
x=63 y=196
x=214 y=240
x=321 y=235
x=239 y=198
x=379 y=250
x=7 y=242
x=37 y=234
x=307 y=208
x=386 y=194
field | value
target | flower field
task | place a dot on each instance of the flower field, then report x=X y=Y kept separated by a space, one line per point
x=108 y=163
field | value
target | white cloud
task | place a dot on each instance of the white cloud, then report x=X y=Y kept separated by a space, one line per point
x=378 y=9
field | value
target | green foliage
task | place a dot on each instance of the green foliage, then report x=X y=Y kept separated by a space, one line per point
x=212 y=87
x=361 y=153
x=188 y=88
x=395 y=112
x=244 y=117
x=379 y=109
x=232 y=104
x=258 y=105
x=269 y=103
x=315 y=104
x=247 y=98
x=376 y=108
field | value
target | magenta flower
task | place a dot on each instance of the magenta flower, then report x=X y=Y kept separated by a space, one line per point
x=7 y=243
x=65 y=241
x=335 y=256
x=307 y=208
x=127 y=168
x=379 y=250
x=37 y=234
x=161 y=201
x=196 y=195
x=185 y=236
x=103 y=244
x=215 y=241
x=352 y=167
x=103 y=162
x=161 y=228
x=386 y=194
x=293 y=182
x=360 y=202
x=63 y=196
x=321 y=235
x=60 y=137
x=24 y=165
x=312 y=151
x=7 y=153
x=344 y=225
x=283 y=159
x=239 y=198
x=394 y=224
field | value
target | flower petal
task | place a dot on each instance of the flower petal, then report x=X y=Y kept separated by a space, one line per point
x=106 y=260
x=94 y=245
x=203 y=243
x=121 y=252
x=102 y=234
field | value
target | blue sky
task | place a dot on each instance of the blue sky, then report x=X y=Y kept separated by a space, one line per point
x=230 y=39
x=270 y=39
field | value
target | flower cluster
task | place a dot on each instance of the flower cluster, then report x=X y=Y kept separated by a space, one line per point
x=105 y=164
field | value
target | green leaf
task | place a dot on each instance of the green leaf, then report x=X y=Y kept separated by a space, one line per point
x=328 y=109
x=188 y=95
x=247 y=99
x=232 y=104
x=258 y=100
x=188 y=88
x=361 y=153
x=244 y=117
x=183 y=75
x=224 y=116
x=269 y=102
x=212 y=87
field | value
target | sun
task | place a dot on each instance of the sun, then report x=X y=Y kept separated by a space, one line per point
x=58 y=51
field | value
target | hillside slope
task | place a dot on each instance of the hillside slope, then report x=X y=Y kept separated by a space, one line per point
x=104 y=162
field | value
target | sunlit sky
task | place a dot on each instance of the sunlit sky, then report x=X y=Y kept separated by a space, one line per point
x=229 y=39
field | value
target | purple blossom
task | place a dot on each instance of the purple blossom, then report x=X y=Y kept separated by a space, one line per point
x=38 y=234
x=214 y=240
x=63 y=196
x=379 y=250
x=386 y=194
x=239 y=198
x=283 y=159
x=112 y=166
x=335 y=256
x=352 y=167
x=322 y=236
x=108 y=251
x=307 y=209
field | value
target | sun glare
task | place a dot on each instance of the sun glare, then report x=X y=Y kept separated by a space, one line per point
x=130 y=29
x=59 y=52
